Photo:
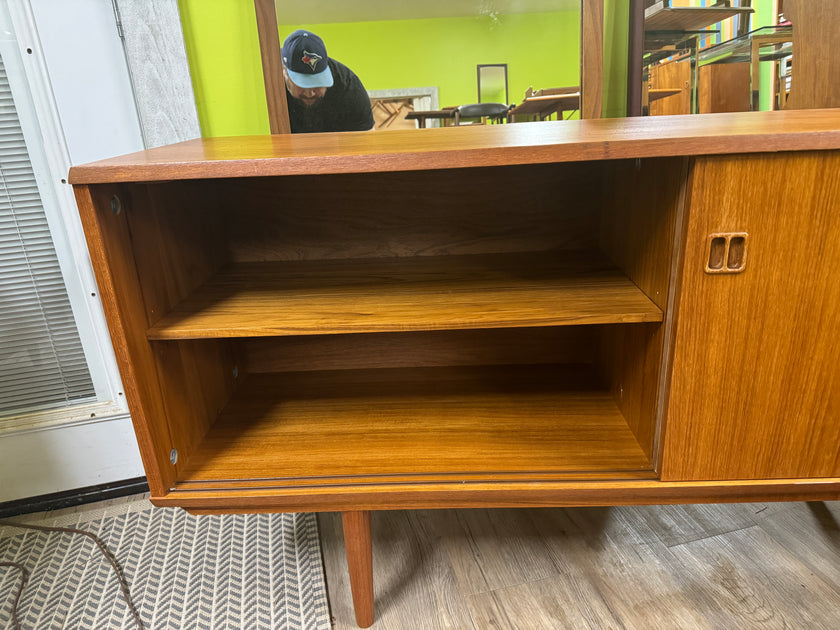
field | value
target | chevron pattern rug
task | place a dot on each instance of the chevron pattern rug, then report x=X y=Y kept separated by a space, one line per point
x=255 y=571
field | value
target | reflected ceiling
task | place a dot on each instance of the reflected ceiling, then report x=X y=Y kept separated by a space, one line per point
x=324 y=11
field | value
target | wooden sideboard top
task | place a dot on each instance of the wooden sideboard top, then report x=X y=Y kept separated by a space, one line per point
x=472 y=146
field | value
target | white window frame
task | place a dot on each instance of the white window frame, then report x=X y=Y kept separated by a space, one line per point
x=29 y=79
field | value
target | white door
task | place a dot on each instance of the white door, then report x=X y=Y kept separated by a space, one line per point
x=71 y=94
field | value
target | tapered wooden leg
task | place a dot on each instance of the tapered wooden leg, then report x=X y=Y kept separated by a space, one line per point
x=359 y=551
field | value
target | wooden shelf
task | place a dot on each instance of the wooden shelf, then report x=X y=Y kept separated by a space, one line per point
x=654 y=94
x=662 y=17
x=405 y=294
x=381 y=425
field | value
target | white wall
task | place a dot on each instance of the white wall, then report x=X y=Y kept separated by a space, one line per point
x=58 y=459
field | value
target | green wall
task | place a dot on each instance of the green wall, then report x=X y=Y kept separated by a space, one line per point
x=764 y=16
x=616 y=35
x=541 y=50
x=224 y=56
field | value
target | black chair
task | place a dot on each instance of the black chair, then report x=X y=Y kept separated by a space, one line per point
x=494 y=111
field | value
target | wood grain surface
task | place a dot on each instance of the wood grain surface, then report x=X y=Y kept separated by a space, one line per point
x=815 y=82
x=378 y=295
x=740 y=566
x=371 y=425
x=272 y=66
x=499 y=346
x=178 y=242
x=662 y=17
x=197 y=378
x=643 y=204
x=356 y=434
x=789 y=584
x=357 y=544
x=417 y=213
x=723 y=87
x=200 y=498
x=673 y=74
x=591 y=57
x=755 y=391
x=470 y=146
x=109 y=243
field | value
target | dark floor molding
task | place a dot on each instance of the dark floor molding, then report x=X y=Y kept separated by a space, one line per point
x=72 y=498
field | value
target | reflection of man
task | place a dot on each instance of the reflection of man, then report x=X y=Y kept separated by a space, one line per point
x=323 y=94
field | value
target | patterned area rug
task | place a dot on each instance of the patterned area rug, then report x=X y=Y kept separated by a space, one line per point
x=256 y=571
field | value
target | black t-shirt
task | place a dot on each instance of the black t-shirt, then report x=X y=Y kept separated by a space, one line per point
x=345 y=106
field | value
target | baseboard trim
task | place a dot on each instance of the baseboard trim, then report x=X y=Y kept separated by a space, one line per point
x=72 y=498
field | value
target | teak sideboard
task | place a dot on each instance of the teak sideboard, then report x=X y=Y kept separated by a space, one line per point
x=595 y=312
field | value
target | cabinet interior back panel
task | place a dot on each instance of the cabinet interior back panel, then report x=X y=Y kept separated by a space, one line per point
x=424 y=213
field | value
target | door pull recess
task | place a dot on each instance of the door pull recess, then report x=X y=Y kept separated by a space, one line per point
x=726 y=252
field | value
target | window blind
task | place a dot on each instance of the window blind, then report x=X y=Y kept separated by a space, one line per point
x=42 y=364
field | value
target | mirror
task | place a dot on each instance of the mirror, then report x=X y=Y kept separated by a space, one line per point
x=420 y=56
x=423 y=52
x=700 y=57
x=492 y=83
x=424 y=55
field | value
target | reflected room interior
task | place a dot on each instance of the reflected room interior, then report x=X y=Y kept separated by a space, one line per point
x=421 y=61
x=558 y=59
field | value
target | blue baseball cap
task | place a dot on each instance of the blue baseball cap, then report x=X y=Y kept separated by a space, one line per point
x=305 y=58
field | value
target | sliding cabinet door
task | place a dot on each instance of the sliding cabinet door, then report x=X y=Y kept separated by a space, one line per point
x=755 y=388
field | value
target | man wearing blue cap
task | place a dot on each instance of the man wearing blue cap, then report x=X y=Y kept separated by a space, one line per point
x=322 y=94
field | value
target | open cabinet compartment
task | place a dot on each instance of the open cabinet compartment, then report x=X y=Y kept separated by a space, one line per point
x=441 y=326
x=444 y=422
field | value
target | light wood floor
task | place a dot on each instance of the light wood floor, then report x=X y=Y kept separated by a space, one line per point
x=733 y=566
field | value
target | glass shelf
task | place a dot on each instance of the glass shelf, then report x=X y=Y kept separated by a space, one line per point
x=774 y=42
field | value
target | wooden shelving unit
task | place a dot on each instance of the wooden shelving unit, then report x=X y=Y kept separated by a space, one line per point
x=675 y=31
x=511 y=315
x=664 y=17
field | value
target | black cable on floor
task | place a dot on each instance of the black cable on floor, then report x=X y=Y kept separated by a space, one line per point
x=102 y=547
x=24 y=576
